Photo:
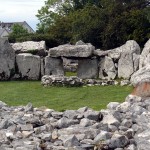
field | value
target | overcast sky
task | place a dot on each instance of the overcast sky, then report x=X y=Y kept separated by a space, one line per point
x=20 y=10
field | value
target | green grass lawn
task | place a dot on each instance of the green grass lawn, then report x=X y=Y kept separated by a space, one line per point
x=60 y=98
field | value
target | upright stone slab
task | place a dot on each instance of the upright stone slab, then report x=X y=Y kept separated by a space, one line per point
x=125 y=66
x=107 y=68
x=145 y=55
x=129 y=59
x=7 y=60
x=28 y=66
x=53 y=66
x=87 y=68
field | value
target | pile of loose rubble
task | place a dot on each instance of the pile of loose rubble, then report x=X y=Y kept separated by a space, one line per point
x=122 y=126
x=55 y=80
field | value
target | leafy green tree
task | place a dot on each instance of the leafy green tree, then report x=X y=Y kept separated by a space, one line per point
x=104 y=23
x=18 y=30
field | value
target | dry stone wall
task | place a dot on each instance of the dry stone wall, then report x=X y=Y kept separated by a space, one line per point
x=120 y=62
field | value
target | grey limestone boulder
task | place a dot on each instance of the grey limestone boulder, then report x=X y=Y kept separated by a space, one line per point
x=110 y=120
x=87 y=68
x=72 y=50
x=7 y=60
x=124 y=58
x=71 y=114
x=129 y=57
x=145 y=55
x=112 y=105
x=53 y=66
x=130 y=46
x=71 y=141
x=65 y=122
x=118 y=141
x=102 y=136
x=28 y=66
x=86 y=122
x=107 y=68
x=30 y=47
x=140 y=76
x=125 y=66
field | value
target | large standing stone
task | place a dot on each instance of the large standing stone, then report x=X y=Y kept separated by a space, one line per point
x=129 y=59
x=53 y=66
x=28 y=66
x=125 y=66
x=107 y=68
x=7 y=60
x=130 y=46
x=72 y=50
x=145 y=55
x=87 y=68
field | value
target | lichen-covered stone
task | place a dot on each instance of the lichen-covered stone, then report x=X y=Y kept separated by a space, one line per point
x=7 y=60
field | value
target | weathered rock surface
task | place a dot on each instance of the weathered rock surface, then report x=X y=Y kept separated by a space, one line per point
x=122 y=126
x=125 y=66
x=140 y=76
x=87 y=68
x=107 y=68
x=123 y=61
x=100 y=53
x=53 y=66
x=7 y=60
x=72 y=50
x=128 y=62
x=28 y=66
x=145 y=55
x=38 y=48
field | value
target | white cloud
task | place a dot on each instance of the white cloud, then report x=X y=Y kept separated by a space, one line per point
x=20 y=10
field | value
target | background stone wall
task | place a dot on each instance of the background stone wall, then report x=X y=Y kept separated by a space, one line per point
x=30 y=60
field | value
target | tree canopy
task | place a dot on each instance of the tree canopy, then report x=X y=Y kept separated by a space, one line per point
x=104 y=23
x=18 y=30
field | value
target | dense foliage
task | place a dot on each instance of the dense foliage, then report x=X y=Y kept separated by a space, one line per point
x=104 y=23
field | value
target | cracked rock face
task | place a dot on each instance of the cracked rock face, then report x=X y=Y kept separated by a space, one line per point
x=28 y=66
x=123 y=126
x=7 y=60
x=145 y=55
